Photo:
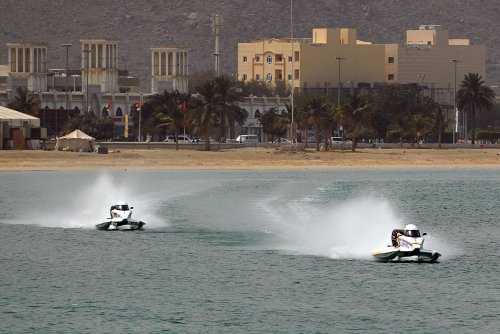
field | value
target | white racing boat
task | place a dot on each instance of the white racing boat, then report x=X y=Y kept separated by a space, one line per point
x=121 y=219
x=406 y=243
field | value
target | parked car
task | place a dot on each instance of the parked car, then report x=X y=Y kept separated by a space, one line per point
x=180 y=139
x=247 y=139
x=122 y=138
x=281 y=141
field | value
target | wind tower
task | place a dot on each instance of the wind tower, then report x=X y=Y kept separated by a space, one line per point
x=28 y=66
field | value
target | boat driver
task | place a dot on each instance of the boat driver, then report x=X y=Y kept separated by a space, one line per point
x=111 y=210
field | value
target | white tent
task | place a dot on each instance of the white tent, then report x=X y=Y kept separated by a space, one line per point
x=76 y=141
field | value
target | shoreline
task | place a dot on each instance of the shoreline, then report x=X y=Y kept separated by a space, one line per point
x=249 y=158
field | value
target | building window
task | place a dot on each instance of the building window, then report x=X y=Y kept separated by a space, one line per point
x=390 y=77
x=119 y=112
x=257 y=113
x=296 y=76
x=245 y=77
x=297 y=56
x=390 y=60
x=289 y=77
x=257 y=59
x=269 y=77
x=269 y=59
x=245 y=59
x=257 y=77
x=290 y=59
x=279 y=58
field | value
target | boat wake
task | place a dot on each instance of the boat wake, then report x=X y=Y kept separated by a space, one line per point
x=90 y=205
x=347 y=230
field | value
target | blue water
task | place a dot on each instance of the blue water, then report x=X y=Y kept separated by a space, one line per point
x=248 y=252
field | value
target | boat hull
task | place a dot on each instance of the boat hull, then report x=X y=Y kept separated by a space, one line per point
x=395 y=253
x=123 y=225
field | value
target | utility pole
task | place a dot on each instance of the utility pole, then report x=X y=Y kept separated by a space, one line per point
x=87 y=52
x=67 y=46
x=422 y=76
x=341 y=128
x=455 y=111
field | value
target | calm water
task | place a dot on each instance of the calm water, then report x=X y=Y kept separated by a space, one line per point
x=248 y=252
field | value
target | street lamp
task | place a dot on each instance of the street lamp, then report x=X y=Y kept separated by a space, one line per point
x=292 y=132
x=422 y=76
x=67 y=46
x=339 y=59
x=455 y=128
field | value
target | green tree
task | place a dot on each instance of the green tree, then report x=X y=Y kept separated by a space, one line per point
x=356 y=115
x=24 y=103
x=204 y=109
x=439 y=122
x=401 y=125
x=317 y=115
x=420 y=125
x=99 y=127
x=229 y=111
x=273 y=123
x=474 y=96
x=169 y=111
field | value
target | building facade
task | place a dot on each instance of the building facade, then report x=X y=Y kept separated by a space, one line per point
x=99 y=86
x=169 y=69
x=335 y=59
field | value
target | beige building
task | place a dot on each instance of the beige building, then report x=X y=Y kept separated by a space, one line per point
x=99 y=64
x=27 y=66
x=336 y=58
x=169 y=69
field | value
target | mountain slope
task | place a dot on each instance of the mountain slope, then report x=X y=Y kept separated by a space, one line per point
x=140 y=24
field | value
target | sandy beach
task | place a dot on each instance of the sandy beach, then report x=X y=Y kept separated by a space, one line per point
x=249 y=158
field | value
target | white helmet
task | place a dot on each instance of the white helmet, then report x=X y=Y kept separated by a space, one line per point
x=410 y=227
x=411 y=231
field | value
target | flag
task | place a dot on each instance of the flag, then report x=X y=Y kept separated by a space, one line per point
x=139 y=105
x=108 y=106
x=184 y=105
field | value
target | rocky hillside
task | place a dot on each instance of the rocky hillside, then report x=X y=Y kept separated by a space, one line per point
x=141 y=23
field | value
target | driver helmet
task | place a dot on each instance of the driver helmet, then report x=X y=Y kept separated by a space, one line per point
x=410 y=227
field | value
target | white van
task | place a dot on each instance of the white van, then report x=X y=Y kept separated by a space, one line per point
x=247 y=139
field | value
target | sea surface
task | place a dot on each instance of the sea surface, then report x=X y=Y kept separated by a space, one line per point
x=248 y=252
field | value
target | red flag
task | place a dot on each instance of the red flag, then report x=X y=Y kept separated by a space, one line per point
x=184 y=105
x=108 y=106
x=139 y=105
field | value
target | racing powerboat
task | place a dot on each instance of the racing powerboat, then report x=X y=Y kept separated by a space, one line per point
x=121 y=219
x=406 y=243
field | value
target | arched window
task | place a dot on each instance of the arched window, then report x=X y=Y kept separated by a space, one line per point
x=269 y=59
x=119 y=112
x=269 y=77
x=105 y=111
x=257 y=113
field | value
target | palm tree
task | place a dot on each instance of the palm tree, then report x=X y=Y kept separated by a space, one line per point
x=420 y=125
x=474 y=96
x=205 y=108
x=229 y=112
x=439 y=121
x=357 y=117
x=317 y=111
x=24 y=103
x=401 y=125
x=169 y=111
x=273 y=123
